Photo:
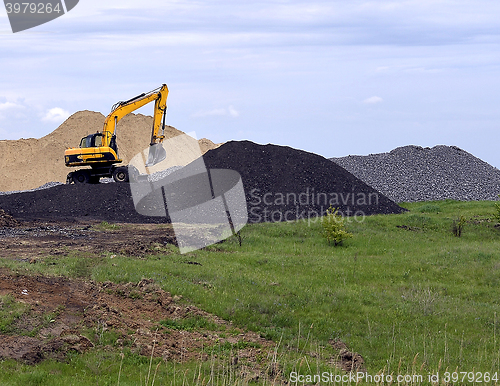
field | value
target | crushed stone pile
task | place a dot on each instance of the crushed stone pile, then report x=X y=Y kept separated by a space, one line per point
x=281 y=184
x=105 y=202
x=28 y=163
x=413 y=173
x=47 y=185
x=286 y=184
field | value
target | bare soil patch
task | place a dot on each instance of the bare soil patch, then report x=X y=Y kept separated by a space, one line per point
x=142 y=317
x=30 y=240
x=64 y=314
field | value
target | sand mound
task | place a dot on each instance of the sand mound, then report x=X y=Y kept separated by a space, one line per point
x=29 y=163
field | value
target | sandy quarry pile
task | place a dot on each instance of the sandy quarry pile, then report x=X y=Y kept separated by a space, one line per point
x=414 y=173
x=280 y=183
x=30 y=163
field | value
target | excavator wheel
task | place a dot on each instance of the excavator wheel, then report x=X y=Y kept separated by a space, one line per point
x=81 y=177
x=120 y=174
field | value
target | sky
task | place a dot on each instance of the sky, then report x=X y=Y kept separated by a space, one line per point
x=329 y=77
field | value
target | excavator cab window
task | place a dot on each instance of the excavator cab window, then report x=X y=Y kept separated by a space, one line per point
x=83 y=142
x=97 y=140
x=91 y=140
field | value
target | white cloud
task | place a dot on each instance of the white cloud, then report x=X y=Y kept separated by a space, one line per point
x=230 y=111
x=372 y=100
x=11 y=110
x=9 y=105
x=56 y=114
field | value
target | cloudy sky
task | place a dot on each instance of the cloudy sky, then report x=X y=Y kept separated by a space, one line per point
x=330 y=77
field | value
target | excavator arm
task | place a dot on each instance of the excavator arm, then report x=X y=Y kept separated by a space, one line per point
x=121 y=109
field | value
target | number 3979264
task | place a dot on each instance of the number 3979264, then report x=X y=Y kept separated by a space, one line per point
x=33 y=8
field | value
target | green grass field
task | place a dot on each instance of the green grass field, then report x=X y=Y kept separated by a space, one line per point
x=404 y=292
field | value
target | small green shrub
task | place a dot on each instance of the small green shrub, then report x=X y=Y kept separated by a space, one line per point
x=334 y=227
x=458 y=226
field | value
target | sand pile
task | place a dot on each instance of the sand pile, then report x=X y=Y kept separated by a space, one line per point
x=280 y=184
x=414 y=173
x=30 y=163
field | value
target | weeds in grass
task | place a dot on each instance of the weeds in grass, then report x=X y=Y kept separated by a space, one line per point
x=81 y=268
x=429 y=208
x=10 y=312
x=103 y=226
x=121 y=366
x=189 y=324
x=419 y=221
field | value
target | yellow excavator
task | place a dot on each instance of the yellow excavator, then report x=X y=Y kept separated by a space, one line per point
x=100 y=151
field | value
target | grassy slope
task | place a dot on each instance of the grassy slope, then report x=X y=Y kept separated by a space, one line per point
x=406 y=300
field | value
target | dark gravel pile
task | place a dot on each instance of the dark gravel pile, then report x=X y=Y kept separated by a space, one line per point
x=280 y=184
x=105 y=202
x=413 y=173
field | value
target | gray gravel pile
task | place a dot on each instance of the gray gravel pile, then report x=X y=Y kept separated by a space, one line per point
x=44 y=186
x=163 y=173
x=413 y=173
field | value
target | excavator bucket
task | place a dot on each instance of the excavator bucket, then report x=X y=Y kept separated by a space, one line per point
x=156 y=154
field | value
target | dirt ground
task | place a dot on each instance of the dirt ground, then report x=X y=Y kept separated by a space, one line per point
x=31 y=240
x=82 y=311
x=63 y=314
